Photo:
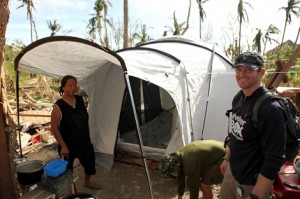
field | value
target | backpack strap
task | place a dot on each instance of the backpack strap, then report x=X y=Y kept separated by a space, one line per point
x=254 y=113
x=234 y=100
x=236 y=97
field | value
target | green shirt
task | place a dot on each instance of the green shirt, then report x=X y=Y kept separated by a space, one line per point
x=196 y=158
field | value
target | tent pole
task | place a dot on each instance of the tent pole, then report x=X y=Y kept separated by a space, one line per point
x=138 y=132
x=209 y=72
x=18 y=114
x=189 y=105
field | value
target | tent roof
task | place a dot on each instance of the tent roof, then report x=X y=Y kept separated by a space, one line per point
x=181 y=41
x=53 y=56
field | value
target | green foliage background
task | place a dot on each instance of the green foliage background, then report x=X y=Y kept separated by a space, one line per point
x=11 y=51
x=286 y=53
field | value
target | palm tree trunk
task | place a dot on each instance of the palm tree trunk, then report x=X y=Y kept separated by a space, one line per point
x=187 y=20
x=297 y=38
x=31 y=24
x=265 y=45
x=279 y=48
x=126 y=19
x=35 y=31
x=6 y=174
x=31 y=31
x=240 y=35
x=199 y=7
x=99 y=26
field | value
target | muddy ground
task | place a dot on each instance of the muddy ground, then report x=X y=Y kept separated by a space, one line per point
x=123 y=181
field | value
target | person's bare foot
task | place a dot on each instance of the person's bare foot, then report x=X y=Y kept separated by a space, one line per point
x=92 y=185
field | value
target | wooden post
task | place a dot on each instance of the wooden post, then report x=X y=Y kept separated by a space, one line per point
x=274 y=76
x=286 y=68
x=6 y=182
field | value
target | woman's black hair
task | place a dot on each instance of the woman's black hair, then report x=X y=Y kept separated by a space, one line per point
x=64 y=81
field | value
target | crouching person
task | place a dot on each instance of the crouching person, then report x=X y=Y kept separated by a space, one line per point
x=198 y=165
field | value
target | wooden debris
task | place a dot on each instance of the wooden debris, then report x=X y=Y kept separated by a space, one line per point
x=152 y=164
x=46 y=85
x=30 y=98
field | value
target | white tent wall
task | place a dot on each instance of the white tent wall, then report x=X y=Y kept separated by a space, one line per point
x=216 y=86
x=105 y=90
x=167 y=102
x=163 y=71
x=223 y=88
x=176 y=134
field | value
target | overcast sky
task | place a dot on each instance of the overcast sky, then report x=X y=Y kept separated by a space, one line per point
x=73 y=15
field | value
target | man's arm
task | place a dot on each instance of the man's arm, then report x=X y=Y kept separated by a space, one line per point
x=273 y=143
x=262 y=186
x=225 y=162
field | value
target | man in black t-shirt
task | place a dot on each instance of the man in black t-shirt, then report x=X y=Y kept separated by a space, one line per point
x=254 y=156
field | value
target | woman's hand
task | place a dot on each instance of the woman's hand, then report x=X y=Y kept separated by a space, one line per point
x=64 y=152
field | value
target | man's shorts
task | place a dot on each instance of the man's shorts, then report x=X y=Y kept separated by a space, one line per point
x=212 y=175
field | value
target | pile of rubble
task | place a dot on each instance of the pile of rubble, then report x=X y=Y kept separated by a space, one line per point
x=33 y=117
x=34 y=137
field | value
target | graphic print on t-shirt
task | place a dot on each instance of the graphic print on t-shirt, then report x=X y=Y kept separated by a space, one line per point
x=237 y=125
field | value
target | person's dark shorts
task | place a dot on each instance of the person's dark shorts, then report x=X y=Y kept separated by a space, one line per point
x=212 y=175
x=87 y=160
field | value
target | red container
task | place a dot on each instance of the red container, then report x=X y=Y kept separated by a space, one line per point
x=287 y=174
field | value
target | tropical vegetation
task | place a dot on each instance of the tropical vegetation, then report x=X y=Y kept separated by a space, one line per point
x=133 y=33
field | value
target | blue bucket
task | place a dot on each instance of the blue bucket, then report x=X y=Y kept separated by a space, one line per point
x=55 y=168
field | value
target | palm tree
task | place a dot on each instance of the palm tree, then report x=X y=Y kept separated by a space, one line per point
x=95 y=23
x=143 y=36
x=187 y=19
x=126 y=21
x=293 y=8
x=92 y=28
x=242 y=16
x=202 y=13
x=267 y=37
x=178 y=28
x=257 y=40
x=261 y=38
x=30 y=6
x=53 y=26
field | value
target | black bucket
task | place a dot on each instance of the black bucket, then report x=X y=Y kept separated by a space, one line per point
x=81 y=196
x=30 y=172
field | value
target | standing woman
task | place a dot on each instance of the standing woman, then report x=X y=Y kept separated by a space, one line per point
x=69 y=125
